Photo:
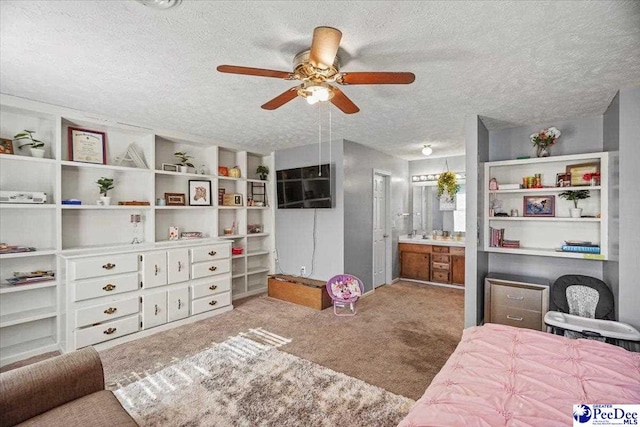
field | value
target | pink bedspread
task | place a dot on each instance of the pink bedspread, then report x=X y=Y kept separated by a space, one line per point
x=505 y=376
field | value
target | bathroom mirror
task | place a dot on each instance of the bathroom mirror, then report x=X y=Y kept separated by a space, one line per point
x=427 y=215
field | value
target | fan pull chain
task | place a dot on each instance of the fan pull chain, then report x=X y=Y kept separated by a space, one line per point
x=319 y=140
x=330 y=137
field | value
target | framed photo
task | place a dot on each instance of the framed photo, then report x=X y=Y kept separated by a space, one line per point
x=577 y=172
x=6 y=146
x=563 y=180
x=199 y=192
x=174 y=199
x=169 y=167
x=539 y=206
x=87 y=146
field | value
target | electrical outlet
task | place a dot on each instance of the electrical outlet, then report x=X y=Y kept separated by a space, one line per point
x=303 y=270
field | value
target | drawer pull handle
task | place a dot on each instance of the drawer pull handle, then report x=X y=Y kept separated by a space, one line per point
x=108 y=266
x=110 y=310
x=179 y=304
x=517 y=319
x=214 y=268
x=515 y=298
x=214 y=302
x=109 y=287
x=157 y=269
x=110 y=331
x=213 y=253
x=156 y=309
x=179 y=266
x=213 y=287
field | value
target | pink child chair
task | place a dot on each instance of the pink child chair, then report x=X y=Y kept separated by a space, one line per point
x=344 y=290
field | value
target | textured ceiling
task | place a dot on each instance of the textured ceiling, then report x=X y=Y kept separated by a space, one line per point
x=513 y=63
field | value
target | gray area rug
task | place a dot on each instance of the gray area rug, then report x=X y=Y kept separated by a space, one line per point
x=247 y=381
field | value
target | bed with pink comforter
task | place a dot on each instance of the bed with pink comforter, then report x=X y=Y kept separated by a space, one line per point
x=500 y=375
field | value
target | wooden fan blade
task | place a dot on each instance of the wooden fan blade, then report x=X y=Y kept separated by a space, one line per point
x=374 y=78
x=234 y=69
x=341 y=101
x=324 y=47
x=281 y=99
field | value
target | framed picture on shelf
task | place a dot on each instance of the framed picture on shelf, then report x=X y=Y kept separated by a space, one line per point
x=168 y=167
x=87 y=146
x=174 y=199
x=6 y=146
x=539 y=206
x=563 y=180
x=199 y=192
x=577 y=173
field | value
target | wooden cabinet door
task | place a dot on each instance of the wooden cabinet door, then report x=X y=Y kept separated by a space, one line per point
x=457 y=270
x=178 y=265
x=154 y=269
x=415 y=265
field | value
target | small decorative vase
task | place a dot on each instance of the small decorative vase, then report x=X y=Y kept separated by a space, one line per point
x=263 y=177
x=105 y=200
x=576 y=212
x=37 y=152
x=543 y=151
x=184 y=169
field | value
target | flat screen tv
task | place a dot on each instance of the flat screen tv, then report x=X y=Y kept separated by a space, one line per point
x=309 y=187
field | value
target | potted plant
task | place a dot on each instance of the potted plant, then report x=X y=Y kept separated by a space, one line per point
x=544 y=140
x=448 y=183
x=36 y=145
x=105 y=185
x=263 y=171
x=184 y=161
x=574 y=196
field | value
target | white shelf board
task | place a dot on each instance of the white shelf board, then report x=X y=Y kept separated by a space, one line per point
x=257 y=234
x=256 y=253
x=27 y=349
x=257 y=270
x=257 y=207
x=27 y=206
x=550 y=159
x=237 y=256
x=230 y=207
x=257 y=180
x=543 y=219
x=69 y=163
x=231 y=236
x=26 y=158
x=187 y=174
x=547 y=189
x=237 y=276
x=545 y=252
x=100 y=208
x=182 y=207
x=228 y=178
x=20 y=288
x=40 y=252
x=27 y=316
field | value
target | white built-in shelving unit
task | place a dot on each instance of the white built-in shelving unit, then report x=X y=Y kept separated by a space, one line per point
x=543 y=236
x=30 y=314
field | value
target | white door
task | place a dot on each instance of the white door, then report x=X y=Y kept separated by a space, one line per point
x=380 y=232
x=154 y=309
x=178 y=304
x=178 y=265
x=154 y=269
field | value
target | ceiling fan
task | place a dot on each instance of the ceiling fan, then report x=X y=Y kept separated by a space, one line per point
x=316 y=68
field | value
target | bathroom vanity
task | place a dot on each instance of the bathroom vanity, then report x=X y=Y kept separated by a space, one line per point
x=428 y=260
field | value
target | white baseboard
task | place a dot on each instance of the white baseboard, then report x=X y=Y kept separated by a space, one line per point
x=442 y=285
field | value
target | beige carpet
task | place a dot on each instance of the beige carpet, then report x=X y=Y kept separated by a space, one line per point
x=246 y=381
x=399 y=340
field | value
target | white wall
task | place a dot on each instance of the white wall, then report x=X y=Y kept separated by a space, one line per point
x=294 y=227
x=437 y=165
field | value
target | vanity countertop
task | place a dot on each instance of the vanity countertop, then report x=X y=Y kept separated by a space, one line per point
x=429 y=241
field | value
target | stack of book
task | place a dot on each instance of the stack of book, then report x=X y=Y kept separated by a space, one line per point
x=580 y=246
x=20 y=278
x=13 y=249
x=514 y=244
x=496 y=236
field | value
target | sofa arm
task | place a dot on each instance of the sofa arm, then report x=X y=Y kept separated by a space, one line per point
x=34 y=389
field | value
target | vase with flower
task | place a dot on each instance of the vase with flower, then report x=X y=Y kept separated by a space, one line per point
x=544 y=140
x=592 y=178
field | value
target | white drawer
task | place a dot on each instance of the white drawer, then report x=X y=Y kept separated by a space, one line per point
x=107 y=331
x=104 y=312
x=206 y=287
x=106 y=286
x=102 y=266
x=208 y=253
x=210 y=303
x=210 y=268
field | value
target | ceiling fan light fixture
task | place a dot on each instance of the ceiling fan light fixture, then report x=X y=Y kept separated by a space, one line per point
x=315 y=92
x=427 y=150
x=160 y=4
